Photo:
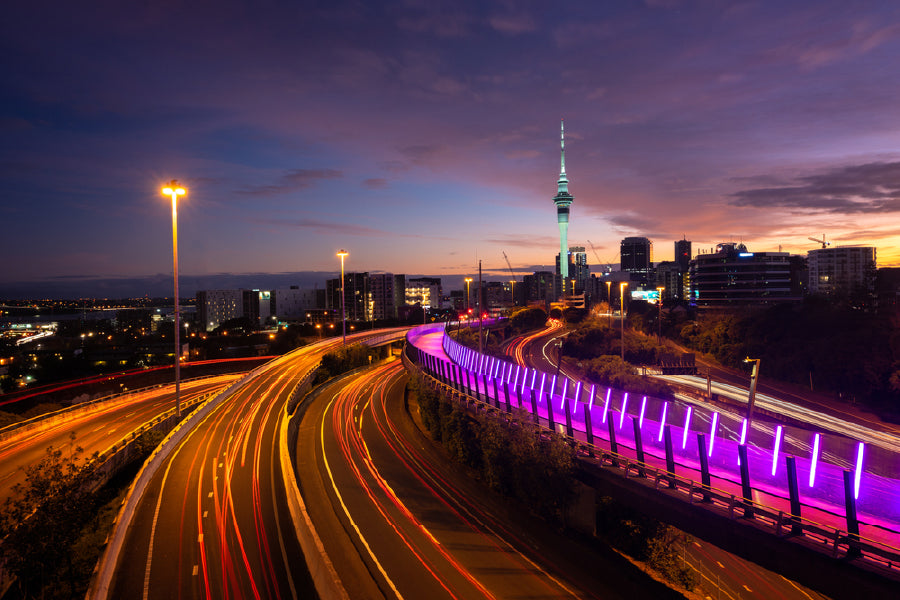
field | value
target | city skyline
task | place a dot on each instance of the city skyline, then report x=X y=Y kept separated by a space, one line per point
x=423 y=138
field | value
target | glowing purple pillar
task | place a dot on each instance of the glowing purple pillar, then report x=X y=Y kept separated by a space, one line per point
x=775 y=449
x=606 y=406
x=859 y=466
x=814 y=461
x=662 y=421
x=687 y=427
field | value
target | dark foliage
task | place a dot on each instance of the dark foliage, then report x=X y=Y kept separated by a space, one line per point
x=852 y=353
x=512 y=457
x=612 y=372
x=645 y=539
x=342 y=360
x=44 y=517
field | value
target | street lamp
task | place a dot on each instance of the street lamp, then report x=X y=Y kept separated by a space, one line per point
x=174 y=190
x=754 y=377
x=659 y=290
x=622 y=287
x=609 y=302
x=343 y=254
x=468 y=281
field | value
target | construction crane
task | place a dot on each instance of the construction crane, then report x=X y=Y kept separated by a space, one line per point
x=591 y=244
x=822 y=241
x=513 y=275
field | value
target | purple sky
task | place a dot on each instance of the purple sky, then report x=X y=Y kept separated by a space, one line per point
x=423 y=135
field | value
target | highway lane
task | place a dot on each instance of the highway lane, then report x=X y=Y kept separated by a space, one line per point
x=406 y=524
x=105 y=424
x=214 y=522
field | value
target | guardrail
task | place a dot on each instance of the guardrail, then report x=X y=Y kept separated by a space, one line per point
x=48 y=419
x=453 y=382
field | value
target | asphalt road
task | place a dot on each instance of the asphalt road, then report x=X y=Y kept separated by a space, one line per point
x=400 y=520
x=96 y=430
x=214 y=522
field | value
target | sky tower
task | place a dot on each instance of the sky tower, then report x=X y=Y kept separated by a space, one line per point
x=563 y=199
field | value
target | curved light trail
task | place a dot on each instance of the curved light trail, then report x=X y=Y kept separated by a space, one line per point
x=407 y=520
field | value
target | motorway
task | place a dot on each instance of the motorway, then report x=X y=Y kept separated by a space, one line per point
x=94 y=429
x=214 y=521
x=400 y=521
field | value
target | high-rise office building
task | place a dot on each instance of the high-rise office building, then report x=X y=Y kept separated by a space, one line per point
x=217 y=306
x=356 y=296
x=682 y=288
x=734 y=276
x=425 y=291
x=636 y=256
x=847 y=270
x=683 y=255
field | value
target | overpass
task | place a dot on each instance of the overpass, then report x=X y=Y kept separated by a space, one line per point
x=693 y=467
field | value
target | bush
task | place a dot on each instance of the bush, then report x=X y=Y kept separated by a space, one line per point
x=342 y=360
x=612 y=372
x=44 y=517
x=645 y=539
x=512 y=457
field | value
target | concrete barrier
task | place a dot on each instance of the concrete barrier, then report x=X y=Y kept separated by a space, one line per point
x=321 y=569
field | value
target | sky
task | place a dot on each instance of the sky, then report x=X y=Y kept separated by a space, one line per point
x=422 y=136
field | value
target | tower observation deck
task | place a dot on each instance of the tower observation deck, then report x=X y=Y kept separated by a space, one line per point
x=562 y=200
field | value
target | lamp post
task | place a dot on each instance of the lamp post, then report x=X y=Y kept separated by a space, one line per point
x=754 y=377
x=622 y=287
x=468 y=281
x=659 y=290
x=174 y=190
x=609 y=301
x=343 y=254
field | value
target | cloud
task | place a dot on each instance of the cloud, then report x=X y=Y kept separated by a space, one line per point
x=513 y=24
x=526 y=242
x=295 y=179
x=375 y=183
x=326 y=227
x=866 y=188
x=420 y=153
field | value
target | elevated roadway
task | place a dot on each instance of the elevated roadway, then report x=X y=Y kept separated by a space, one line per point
x=95 y=427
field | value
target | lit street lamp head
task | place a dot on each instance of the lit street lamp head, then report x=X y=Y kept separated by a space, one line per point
x=174 y=190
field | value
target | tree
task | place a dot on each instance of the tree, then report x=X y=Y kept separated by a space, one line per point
x=44 y=517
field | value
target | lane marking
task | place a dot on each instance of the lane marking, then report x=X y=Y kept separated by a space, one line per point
x=799 y=589
x=195 y=571
x=748 y=589
x=340 y=498
x=205 y=512
x=153 y=532
x=200 y=538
